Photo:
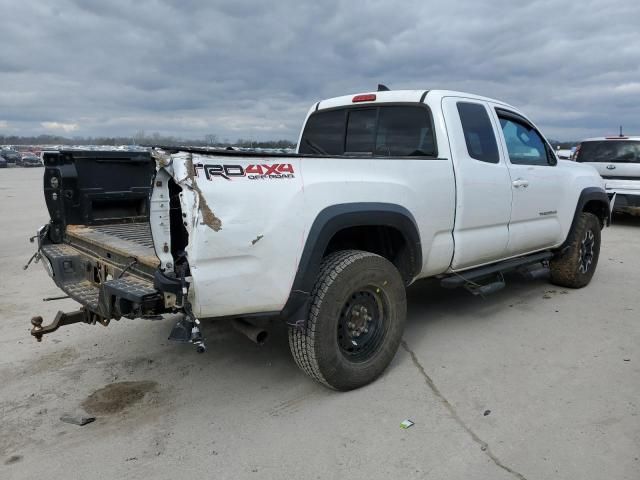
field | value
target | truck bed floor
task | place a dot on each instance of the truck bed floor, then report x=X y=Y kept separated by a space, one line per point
x=124 y=239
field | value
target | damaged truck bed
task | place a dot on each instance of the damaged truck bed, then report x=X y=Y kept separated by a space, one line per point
x=130 y=232
x=98 y=246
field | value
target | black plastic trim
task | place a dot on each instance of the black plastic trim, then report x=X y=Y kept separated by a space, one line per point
x=462 y=278
x=613 y=177
x=502 y=112
x=167 y=284
x=267 y=155
x=424 y=95
x=587 y=195
x=329 y=222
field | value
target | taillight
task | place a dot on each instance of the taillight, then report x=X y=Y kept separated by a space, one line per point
x=575 y=154
x=369 y=97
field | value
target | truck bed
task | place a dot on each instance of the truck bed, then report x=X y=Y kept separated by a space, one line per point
x=116 y=241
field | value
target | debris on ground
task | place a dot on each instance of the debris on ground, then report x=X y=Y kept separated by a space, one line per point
x=406 y=424
x=486 y=412
x=77 y=419
x=13 y=459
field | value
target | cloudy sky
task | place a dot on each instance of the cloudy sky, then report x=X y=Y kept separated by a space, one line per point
x=251 y=68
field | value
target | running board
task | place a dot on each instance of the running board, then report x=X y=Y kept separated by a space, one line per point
x=462 y=279
x=488 y=288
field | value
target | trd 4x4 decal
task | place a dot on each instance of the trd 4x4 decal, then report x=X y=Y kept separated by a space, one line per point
x=252 y=172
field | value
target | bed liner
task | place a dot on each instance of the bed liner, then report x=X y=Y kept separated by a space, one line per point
x=127 y=240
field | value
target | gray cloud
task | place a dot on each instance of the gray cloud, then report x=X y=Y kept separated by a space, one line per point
x=252 y=68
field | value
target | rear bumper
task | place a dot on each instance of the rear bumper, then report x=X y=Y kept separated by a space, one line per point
x=627 y=193
x=626 y=201
x=105 y=289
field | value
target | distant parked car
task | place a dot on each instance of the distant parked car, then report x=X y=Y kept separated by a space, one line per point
x=11 y=156
x=617 y=160
x=563 y=154
x=31 y=160
x=3 y=163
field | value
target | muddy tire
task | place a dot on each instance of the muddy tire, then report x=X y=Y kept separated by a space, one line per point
x=355 y=323
x=575 y=266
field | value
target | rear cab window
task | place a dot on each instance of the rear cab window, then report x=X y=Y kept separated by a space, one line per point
x=324 y=134
x=391 y=130
x=609 y=151
x=361 y=131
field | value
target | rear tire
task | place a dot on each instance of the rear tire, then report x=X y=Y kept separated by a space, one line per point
x=355 y=322
x=576 y=265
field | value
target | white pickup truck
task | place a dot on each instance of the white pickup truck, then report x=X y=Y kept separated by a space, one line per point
x=386 y=188
x=617 y=160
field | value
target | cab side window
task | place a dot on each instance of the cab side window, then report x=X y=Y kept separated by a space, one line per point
x=478 y=132
x=524 y=144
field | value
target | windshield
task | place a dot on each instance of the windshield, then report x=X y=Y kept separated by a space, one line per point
x=610 y=151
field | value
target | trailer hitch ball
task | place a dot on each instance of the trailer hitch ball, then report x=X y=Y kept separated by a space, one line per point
x=37 y=328
x=61 y=320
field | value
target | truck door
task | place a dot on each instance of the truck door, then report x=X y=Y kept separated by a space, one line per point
x=483 y=184
x=536 y=183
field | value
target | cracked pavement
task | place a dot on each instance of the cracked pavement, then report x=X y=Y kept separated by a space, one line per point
x=533 y=382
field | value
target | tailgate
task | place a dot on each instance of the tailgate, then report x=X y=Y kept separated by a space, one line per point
x=96 y=188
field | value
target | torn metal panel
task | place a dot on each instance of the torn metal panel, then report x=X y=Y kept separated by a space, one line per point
x=162 y=158
x=208 y=217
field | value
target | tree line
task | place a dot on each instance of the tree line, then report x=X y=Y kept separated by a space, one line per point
x=140 y=138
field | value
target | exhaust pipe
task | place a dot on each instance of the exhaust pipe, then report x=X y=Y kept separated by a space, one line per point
x=255 y=334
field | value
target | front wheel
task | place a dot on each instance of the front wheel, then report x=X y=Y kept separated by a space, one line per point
x=355 y=322
x=576 y=265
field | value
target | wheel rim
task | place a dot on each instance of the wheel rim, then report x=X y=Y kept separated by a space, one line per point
x=586 y=251
x=363 y=323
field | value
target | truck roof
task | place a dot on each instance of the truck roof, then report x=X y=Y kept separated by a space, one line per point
x=400 y=96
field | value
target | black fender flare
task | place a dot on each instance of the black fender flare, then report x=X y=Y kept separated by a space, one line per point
x=329 y=222
x=589 y=194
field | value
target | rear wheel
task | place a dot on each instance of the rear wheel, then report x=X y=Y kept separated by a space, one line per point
x=355 y=323
x=576 y=265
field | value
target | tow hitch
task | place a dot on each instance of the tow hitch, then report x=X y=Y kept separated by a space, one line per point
x=62 y=319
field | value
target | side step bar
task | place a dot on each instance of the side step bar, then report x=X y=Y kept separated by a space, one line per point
x=462 y=279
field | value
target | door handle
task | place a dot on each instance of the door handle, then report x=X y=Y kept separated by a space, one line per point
x=520 y=182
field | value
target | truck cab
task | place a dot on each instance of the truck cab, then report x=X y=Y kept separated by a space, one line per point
x=482 y=159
